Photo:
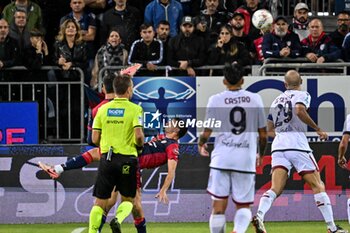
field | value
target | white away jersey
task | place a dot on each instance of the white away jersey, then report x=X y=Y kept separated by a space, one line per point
x=290 y=130
x=346 y=129
x=241 y=113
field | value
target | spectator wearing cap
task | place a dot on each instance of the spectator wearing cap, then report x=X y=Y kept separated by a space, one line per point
x=237 y=23
x=32 y=10
x=170 y=10
x=301 y=20
x=318 y=47
x=228 y=50
x=281 y=42
x=343 y=26
x=186 y=50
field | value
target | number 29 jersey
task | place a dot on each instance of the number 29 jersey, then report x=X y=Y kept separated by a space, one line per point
x=241 y=113
x=289 y=129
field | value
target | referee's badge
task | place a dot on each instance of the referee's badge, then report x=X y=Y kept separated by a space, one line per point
x=126 y=169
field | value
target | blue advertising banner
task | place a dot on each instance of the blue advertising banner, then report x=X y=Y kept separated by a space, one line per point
x=163 y=98
x=19 y=123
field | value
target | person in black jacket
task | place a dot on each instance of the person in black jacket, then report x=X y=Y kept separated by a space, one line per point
x=343 y=28
x=281 y=43
x=8 y=54
x=126 y=19
x=70 y=51
x=186 y=50
x=147 y=51
x=35 y=57
x=228 y=50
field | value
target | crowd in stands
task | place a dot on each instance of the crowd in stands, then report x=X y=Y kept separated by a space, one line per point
x=181 y=34
x=92 y=34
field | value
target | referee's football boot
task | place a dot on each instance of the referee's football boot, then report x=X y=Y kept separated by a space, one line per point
x=258 y=225
x=49 y=170
x=115 y=226
x=339 y=230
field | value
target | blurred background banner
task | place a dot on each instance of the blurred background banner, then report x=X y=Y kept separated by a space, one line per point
x=19 y=123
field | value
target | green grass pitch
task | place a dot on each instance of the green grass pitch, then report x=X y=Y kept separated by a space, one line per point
x=271 y=227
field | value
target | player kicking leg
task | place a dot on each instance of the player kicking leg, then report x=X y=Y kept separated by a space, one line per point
x=310 y=174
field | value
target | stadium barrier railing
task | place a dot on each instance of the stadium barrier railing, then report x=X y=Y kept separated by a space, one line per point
x=51 y=107
x=166 y=70
x=278 y=66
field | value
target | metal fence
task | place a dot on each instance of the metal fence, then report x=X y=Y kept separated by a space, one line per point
x=278 y=66
x=57 y=106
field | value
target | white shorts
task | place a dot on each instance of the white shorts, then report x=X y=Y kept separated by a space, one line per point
x=223 y=183
x=303 y=162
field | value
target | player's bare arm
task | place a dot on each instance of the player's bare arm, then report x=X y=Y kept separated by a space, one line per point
x=96 y=137
x=301 y=112
x=270 y=129
x=139 y=136
x=343 y=146
x=262 y=145
x=202 y=143
x=162 y=196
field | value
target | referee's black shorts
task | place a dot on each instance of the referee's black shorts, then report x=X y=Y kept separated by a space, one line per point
x=119 y=172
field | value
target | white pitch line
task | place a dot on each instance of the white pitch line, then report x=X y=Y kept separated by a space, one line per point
x=79 y=230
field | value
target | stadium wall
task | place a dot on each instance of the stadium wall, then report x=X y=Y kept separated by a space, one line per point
x=28 y=195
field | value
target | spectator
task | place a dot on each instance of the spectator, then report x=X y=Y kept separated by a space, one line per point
x=163 y=34
x=20 y=32
x=32 y=10
x=248 y=10
x=228 y=50
x=147 y=51
x=201 y=29
x=186 y=50
x=301 y=21
x=343 y=26
x=87 y=23
x=213 y=17
x=281 y=43
x=9 y=50
x=70 y=51
x=110 y=54
x=170 y=10
x=237 y=23
x=126 y=19
x=318 y=47
x=37 y=54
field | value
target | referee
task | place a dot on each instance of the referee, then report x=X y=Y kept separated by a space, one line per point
x=117 y=129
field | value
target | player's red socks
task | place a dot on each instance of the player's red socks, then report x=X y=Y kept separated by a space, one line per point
x=140 y=224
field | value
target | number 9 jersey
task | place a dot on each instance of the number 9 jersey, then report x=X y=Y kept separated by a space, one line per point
x=289 y=129
x=241 y=114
